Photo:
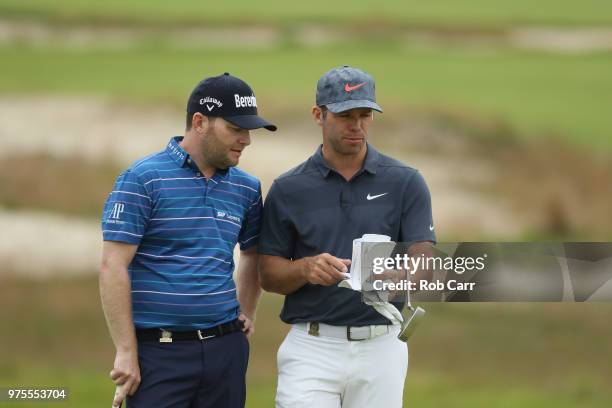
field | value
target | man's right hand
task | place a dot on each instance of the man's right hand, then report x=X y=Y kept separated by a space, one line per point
x=324 y=269
x=125 y=374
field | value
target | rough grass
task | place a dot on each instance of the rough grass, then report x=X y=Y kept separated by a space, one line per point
x=69 y=185
x=464 y=355
x=565 y=193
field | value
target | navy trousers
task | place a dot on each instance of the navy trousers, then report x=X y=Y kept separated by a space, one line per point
x=192 y=373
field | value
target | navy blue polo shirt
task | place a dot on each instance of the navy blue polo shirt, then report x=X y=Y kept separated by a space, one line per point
x=186 y=228
x=312 y=209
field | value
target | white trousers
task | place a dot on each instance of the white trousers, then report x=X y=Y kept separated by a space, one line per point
x=325 y=372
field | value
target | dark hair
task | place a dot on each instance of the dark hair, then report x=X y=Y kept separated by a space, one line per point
x=324 y=111
x=188 y=121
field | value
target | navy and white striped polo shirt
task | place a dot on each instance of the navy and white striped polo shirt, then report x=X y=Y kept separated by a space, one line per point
x=186 y=228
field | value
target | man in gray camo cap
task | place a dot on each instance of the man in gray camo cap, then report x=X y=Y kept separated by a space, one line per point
x=340 y=352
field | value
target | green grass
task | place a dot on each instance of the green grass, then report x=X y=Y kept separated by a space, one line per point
x=448 y=13
x=88 y=387
x=463 y=355
x=565 y=95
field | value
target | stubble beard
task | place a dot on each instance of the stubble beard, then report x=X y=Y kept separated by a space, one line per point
x=345 y=150
x=215 y=153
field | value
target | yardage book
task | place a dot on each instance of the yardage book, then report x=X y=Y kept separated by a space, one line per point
x=355 y=277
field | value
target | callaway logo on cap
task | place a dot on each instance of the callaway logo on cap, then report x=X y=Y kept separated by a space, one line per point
x=345 y=88
x=230 y=98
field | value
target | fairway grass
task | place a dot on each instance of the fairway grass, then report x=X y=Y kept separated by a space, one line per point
x=471 y=14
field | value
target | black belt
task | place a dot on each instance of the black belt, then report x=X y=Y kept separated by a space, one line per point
x=166 y=336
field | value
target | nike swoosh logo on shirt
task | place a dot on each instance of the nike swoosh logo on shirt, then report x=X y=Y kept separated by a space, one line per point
x=349 y=88
x=372 y=197
x=431 y=227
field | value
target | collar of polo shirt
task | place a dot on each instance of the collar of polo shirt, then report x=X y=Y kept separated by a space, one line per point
x=182 y=158
x=370 y=164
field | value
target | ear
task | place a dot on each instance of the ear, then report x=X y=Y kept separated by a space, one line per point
x=199 y=123
x=317 y=115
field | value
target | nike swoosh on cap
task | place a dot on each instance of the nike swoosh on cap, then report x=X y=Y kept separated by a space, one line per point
x=349 y=88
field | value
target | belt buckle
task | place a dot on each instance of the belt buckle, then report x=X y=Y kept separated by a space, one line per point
x=378 y=330
x=348 y=335
x=166 y=336
x=201 y=337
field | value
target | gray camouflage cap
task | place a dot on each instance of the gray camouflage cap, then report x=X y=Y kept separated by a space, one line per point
x=344 y=88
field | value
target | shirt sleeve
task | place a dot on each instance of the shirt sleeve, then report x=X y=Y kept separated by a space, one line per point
x=251 y=226
x=277 y=232
x=417 y=221
x=127 y=210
